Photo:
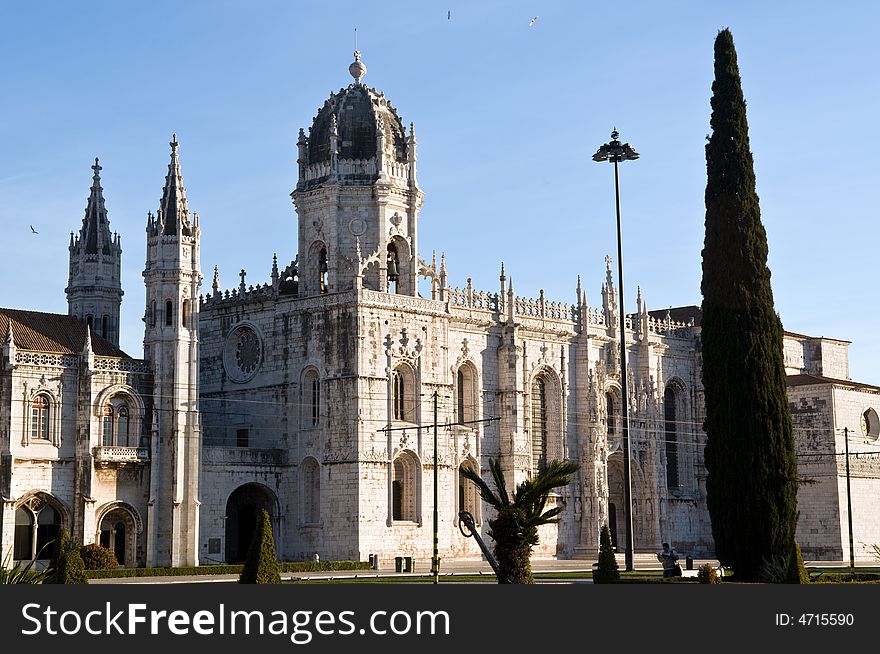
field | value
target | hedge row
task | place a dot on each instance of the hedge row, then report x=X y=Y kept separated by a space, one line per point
x=846 y=577
x=294 y=566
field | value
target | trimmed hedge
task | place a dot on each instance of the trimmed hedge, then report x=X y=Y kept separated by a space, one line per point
x=291 y=566
x=846 y=578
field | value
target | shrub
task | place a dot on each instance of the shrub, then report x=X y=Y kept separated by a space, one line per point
x=66 y=566
x=797 y=572
x=776 y=569
x=97 y=557
x=290 y=566
x=606 y=571
x=261 y=566
x=18 y=573
x=707 y=574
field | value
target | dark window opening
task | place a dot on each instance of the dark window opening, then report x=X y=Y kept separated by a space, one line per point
x=169 y=319
x=242 y=436
x=398 y=389
x=322 y=270
x=393 y=265
x=669 y=413
x=539 y=425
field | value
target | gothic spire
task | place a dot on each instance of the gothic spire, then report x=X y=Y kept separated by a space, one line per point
x=173 y=208
x=95 y=233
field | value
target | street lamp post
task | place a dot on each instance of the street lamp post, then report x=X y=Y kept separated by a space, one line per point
x=616 y=152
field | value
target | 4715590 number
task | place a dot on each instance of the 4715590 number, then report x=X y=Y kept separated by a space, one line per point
x=815 y=620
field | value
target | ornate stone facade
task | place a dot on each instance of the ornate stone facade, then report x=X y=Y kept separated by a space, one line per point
x=312 y=394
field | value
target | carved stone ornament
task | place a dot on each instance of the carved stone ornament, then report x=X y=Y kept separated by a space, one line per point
x=404 y=348
x=242 y=353
x=357 y=226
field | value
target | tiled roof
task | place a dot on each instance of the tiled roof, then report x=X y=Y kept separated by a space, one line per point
x=52 y=332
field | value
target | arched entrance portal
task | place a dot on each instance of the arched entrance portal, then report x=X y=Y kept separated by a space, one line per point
x=242 y=510
x=616 y=514
x=118 y=532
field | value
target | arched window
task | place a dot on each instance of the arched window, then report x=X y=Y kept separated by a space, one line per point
x=23 y=548
x=116 y=423
x=539 y=425
x=398 y=389
x=311 y=490
x=108 y=426
x=184 y=313
x=610 y=415
x=311 y=399
x=871 y=425
x=671 y=432
x=153 y=313
x=169 y=317
x=393 y=267
x=122 y=427
x=468 y=493
x=461 y=401
x=40 y=417
x=48 y=528
x=405 y=488
x=105 y=326
x=37 y=525
x=322 y=271
x=401 y=394
x=466 y=394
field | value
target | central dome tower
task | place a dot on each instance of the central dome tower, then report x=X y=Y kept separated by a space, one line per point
x=357 y=198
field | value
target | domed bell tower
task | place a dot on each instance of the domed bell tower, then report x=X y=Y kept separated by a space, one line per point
x=357 y=198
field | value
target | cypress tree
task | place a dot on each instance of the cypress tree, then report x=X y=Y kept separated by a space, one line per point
x=261 y=566
x=607 y=571
x=750 y=450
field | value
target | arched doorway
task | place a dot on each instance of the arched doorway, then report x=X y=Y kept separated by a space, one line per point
x=615 y=498
x=118 y=532
x=242 y=510
x=612 y=523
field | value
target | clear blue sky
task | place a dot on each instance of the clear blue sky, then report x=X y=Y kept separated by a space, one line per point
x=507 y=117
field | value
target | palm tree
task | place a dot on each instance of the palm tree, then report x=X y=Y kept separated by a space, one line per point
x=515 y=527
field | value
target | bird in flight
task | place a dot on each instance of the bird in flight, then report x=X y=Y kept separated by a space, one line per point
x=33 y=230
x=533 y=21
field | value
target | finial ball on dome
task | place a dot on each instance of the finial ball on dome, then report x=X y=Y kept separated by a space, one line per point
x=357 y=67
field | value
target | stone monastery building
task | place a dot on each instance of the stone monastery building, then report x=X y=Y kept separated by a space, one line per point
x=312 y=395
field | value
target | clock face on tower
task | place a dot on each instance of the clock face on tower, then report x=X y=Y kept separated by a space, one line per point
x=242 y=353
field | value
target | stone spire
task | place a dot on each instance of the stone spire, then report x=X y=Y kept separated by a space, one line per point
x=95 y=232
x=94 y=286
x=173 y=214
x=87 y=346
x=215 y=287
x=9 y=346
